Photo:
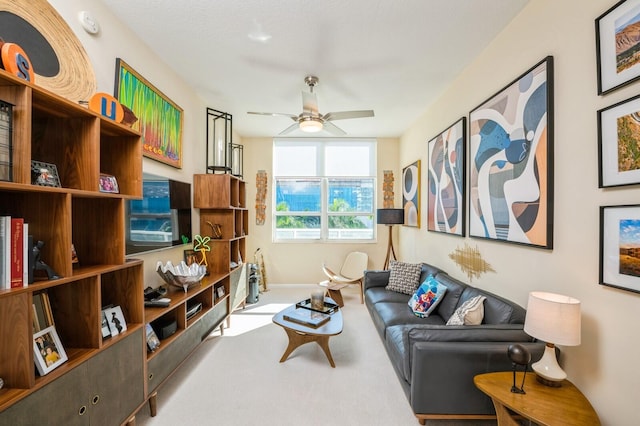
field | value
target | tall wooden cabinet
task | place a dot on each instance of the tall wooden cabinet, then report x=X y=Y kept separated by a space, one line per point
x=88 y=388
x=221 y=199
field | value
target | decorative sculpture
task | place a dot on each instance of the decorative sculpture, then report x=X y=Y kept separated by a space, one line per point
x=519 y=355
x=39 y=265
x=202 y=245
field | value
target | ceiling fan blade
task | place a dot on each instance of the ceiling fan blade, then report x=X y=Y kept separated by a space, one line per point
x=343 y=115
x=333 y=129
x=276 y=114
x=289 y=129
x=309 y=103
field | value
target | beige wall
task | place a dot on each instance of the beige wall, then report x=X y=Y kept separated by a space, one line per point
x=603 y=365
x=288 y=263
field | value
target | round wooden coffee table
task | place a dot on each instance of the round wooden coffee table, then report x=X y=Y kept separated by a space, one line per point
x=300 y=334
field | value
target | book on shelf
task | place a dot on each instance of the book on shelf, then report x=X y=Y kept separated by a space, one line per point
x=42 y=314
x=14 y=252
x=17 y=252
x=307 y=317
x=5 y=252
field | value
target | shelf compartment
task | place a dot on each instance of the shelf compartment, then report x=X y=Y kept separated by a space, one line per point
x=121 y=156
x=224 y=218
x=19 y=96
x=49 y=219
x=123 y=287
x=71 y=143
x=74 y=308
x=16 y=346
x=106 y=219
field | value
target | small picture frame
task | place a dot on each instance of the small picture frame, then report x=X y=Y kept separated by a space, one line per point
x=220 y=291
x=108 y=183
x=44 y=174
x=106 y=330
x=48 y=351
x=620 y=247
x=152 y=338
x=617 y=47
x=190 y=257
x=116 y=320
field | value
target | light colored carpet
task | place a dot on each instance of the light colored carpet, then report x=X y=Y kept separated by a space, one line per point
x=237 y=379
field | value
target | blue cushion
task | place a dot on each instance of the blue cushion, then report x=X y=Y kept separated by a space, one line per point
x=427 y=297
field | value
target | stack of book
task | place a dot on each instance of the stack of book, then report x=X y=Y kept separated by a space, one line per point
x=14 y=252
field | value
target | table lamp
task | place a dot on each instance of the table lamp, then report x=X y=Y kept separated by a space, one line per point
x=390 y=217
x=554 y=319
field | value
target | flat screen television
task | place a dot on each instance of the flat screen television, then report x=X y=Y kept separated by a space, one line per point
x=162 y=218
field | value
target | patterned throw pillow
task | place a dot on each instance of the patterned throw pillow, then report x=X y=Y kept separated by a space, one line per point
x=404 y=277
x=427 y=297
x=470 y=312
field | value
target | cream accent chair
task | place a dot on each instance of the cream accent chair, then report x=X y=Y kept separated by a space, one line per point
x=352 y=272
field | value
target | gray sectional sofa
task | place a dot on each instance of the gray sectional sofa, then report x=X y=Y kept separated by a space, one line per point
x=436 y=363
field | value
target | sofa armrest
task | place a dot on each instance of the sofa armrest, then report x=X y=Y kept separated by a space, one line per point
x=442 y=374
x=468 y=333
x=375 y=279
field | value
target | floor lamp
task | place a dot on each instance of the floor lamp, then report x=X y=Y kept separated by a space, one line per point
x=390 y=217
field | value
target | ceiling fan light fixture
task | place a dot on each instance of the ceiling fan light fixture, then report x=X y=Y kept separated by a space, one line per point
x=310 y=125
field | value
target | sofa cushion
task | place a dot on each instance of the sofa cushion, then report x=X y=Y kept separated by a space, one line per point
x=404 y=277
x=470 y=312
x=381 y=294
x=450 y=300
x=387 y=314
x=427 y=297
x=496 y=309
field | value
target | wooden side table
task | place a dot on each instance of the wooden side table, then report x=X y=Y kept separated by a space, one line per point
x=544 y=405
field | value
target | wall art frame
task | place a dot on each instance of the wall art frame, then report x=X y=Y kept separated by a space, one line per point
x=620 y=247
x=160 y=120
x=618 y=55
x=446 y=180
x=618 y=138
x=511 y=161
x=411 y=194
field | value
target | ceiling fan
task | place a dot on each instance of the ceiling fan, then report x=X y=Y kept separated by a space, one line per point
x=310 y=120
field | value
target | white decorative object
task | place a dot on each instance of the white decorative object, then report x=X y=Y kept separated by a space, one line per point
x=181 y=275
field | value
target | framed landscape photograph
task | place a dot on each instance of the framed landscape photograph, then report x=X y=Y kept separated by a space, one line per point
x=619 y=144
x=159 y=118
x=446 y=180
x=48 y=352
x=411 y=194
x=511 y=161
x=620 y=247
x=618 y=46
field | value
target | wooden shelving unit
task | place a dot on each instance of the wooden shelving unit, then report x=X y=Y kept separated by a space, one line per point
x=221 y=199
x=102 y=378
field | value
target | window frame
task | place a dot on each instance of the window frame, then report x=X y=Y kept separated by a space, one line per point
x=321 y=144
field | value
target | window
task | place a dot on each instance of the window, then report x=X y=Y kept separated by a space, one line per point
x=324 y=190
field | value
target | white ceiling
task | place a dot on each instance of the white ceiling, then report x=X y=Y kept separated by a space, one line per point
x=392 y=56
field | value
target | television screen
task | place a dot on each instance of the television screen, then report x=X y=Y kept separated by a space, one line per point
x=162 y=218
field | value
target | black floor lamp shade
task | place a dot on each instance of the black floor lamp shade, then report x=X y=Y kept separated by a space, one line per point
x=390 y=216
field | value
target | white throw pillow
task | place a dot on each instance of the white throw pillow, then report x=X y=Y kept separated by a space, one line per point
x=470 y=312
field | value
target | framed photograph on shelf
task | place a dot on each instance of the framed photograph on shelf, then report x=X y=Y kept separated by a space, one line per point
x=511 y=161
x=620 y=247
x=159 y=118
x=115 y=318
x=220 y=292
x=48 y=351
x=446 y=180
x=618 y=46
x=44 y=174
x=618 y=142
x=108 y=183
x=411 y=194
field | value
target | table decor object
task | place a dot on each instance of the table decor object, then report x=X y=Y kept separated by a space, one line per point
x=181 y=275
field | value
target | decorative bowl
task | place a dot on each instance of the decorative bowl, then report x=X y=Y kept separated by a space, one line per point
x=181 y=275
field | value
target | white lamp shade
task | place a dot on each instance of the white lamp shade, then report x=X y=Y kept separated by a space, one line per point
x=553 y=318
